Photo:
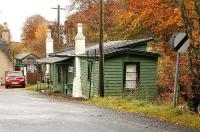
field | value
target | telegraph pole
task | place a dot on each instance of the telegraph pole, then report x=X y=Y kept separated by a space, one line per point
x=101 y=50
x=58 y=20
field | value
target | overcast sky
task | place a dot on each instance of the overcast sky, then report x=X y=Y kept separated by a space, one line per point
x=15 y=12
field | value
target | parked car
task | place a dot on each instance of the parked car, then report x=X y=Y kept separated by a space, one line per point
x=15 y=79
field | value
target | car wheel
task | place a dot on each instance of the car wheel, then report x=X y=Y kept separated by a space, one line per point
x=7 y=86
x=23 y=86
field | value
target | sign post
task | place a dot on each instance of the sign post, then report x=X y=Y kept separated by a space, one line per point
x=176 y=83
x=180 y=43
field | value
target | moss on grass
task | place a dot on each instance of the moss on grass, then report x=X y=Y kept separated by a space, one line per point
x=163 y=111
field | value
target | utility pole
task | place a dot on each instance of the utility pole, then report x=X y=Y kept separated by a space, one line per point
x=101 y=50
x=58 y=20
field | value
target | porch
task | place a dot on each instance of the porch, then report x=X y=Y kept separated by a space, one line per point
x=60 y=73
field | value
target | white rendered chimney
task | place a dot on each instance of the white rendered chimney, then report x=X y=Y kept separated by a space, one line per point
x=79 y=49
x=6 y=33
x=49 y=43
x=49 y=49
x=80 y=40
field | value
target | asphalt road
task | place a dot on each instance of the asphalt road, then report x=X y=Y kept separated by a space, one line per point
x=22 y=111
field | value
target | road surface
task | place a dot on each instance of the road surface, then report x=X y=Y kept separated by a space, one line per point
x=22 y=111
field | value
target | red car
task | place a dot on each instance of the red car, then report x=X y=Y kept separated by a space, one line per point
x=15 y=79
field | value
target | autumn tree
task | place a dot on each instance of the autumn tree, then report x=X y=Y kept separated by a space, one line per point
x=34 y=34
x=130 y=19
x=54 y=32
x=190 y=19
x=89 y=15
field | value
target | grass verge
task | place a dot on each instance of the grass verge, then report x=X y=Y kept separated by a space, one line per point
x=155 y=109
x=31 y=87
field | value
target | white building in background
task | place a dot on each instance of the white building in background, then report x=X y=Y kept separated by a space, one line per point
x=5 y=54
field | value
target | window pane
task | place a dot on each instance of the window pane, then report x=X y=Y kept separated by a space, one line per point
x=130 y=68
x=70 y=69
x=130 y=84
x=59 y=74
x=15 y=74
x=131 y=76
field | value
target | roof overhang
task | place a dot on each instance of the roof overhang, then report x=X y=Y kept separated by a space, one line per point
x=51 y=60
x=133 y=52
x=122 y=51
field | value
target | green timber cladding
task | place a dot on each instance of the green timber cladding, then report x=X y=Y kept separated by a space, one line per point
x=67 y=74
x=117 y=54
x=114 y=75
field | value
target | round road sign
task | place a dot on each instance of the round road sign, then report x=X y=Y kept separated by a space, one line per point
x=180 y=42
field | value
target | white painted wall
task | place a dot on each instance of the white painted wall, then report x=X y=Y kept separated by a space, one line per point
x=5 y=65
x=77 y=90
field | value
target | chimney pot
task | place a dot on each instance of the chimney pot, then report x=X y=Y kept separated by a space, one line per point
x=5 y=26
x=49 y=43
x=6 y=33
x=80 y=40
x=80 y=27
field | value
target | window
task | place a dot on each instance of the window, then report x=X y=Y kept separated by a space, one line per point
x=59 y=73
x=70 y=75
x=131 y=75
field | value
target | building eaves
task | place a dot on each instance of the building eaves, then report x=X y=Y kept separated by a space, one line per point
x=23 y=55
x=107 y=45
x=120 y=51
x=50 y=60
x=20 y=56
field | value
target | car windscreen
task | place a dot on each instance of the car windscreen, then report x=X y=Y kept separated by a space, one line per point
x=15 y=74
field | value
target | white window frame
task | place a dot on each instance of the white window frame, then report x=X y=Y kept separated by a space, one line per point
x=131 y=73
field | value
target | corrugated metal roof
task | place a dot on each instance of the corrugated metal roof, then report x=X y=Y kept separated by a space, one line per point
x=111 y=45
x=22 y=55
x=113 y=51
x=50 y=60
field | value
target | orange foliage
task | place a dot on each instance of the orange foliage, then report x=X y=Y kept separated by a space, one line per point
x=139 y=19
x=160 y=16
x=34 y=34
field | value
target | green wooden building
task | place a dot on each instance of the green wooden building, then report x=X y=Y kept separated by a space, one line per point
x=128 y=69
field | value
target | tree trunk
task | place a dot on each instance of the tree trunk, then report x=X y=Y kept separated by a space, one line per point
x=197 y=9
x=188 y=29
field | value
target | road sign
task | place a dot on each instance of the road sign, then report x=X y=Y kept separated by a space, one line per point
x=20 y=65
x=180 y=42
